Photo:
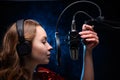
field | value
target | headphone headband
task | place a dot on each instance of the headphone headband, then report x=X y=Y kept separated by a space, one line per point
x=20 y=30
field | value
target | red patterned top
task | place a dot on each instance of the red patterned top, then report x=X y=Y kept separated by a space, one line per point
x=46 y=74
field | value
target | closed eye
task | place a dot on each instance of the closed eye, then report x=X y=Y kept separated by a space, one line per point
x=44 y=42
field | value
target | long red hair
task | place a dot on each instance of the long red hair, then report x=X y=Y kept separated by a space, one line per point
x=10 y=68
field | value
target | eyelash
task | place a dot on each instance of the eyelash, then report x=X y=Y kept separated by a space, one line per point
x=44 y=42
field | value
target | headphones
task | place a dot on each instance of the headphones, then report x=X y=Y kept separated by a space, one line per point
x=23 y=47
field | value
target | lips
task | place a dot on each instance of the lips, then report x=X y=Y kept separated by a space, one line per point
x=48 y=55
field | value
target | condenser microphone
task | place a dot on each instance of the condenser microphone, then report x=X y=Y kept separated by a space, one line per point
x=74 y=40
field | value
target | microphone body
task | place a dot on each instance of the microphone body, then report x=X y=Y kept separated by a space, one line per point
x=74 y=42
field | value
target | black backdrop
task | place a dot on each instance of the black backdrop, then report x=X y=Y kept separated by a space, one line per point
x=106 y=54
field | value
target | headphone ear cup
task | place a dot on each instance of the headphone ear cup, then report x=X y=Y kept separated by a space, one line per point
x=24 y=48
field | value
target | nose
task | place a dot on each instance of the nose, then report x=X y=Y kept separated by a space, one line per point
x=49 y=47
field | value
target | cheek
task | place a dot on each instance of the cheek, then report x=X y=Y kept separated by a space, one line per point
x=39 y=53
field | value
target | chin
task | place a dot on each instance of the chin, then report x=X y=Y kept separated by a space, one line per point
x=45 y=62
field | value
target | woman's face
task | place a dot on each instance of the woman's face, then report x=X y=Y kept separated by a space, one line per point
x=40 y=47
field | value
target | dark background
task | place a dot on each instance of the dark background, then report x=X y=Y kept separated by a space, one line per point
x=105 y=55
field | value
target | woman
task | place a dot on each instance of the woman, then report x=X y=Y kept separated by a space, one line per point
x=16 y=68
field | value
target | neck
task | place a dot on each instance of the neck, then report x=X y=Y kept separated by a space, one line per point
x=30 y=65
